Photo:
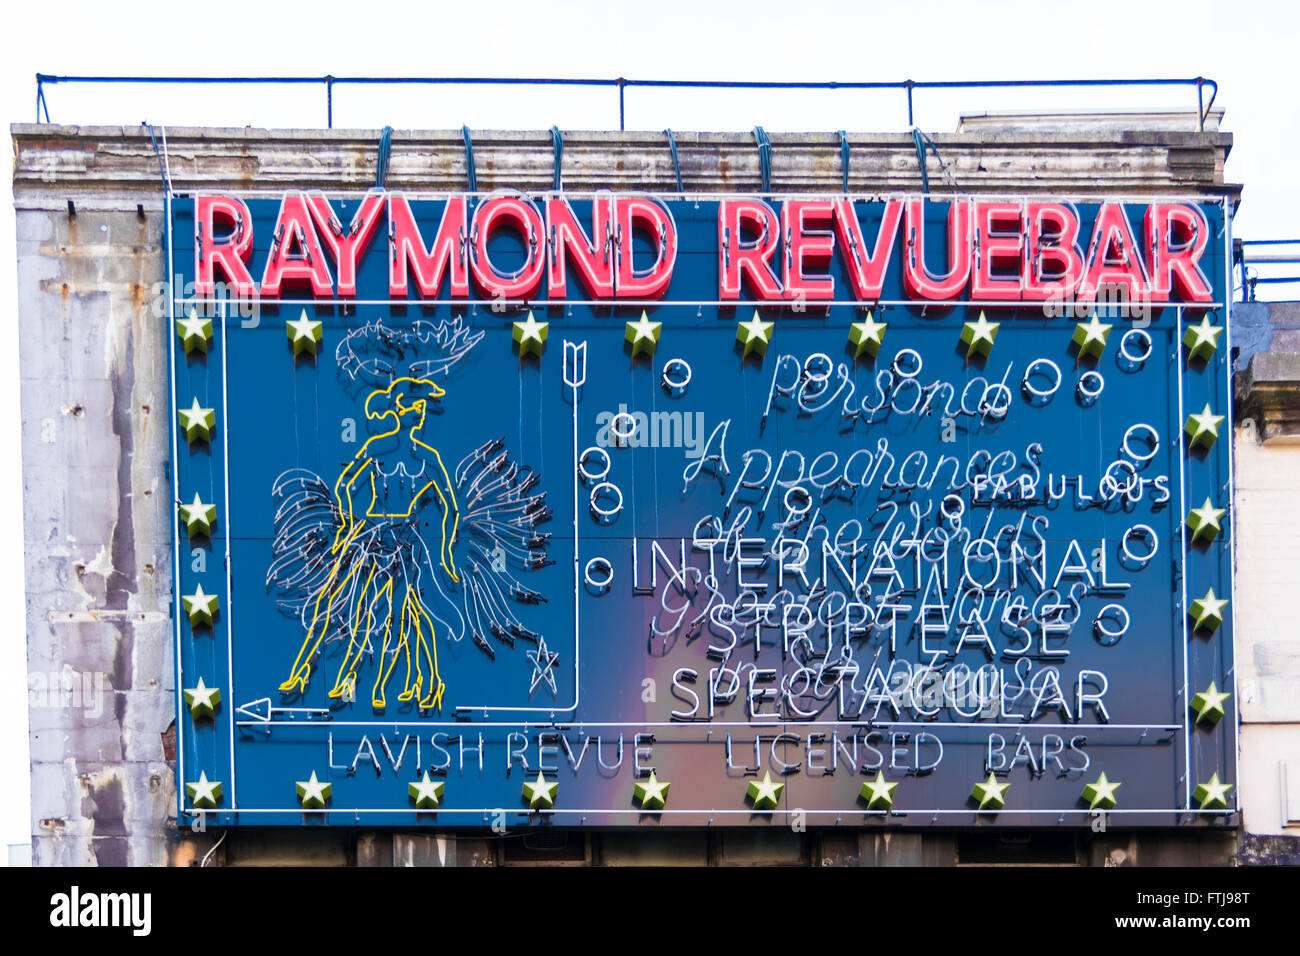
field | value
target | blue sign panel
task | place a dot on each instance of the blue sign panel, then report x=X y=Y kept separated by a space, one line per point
x=501 y=511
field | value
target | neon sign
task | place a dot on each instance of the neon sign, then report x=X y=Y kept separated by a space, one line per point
x=502 y=510
x=992 y=250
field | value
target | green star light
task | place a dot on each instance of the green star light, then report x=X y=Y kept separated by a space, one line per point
x=978 y=336
x=1203 y=429
x=1208 y=705
x=1204 y=521
x=1202 y=340
x=765 y=793
x=530 y=335
x=197 y=422
x=867 y=336
x=1091 y=337
x=202 y=700
x=643 y=334
x=204 y=793
x=313 y=794
x=1100 y=795
x=199 y=518
x=1208 y=612
x=878 y=793
x=195 y=333
x=652 y=794
x=754 y=335
x=541 y=794
x=426 y=793
x=304 y=334
x=1212 y=795
x=990 y=794
x=200 y=607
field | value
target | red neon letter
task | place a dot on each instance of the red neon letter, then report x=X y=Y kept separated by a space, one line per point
x=808 y=242
x=866 y=269
x=999 y=251
x=918 y=280
x=1053 y=261
x=447 y=256
x=230 y=253
x=567 y=238
x=296 y=253
x=1176 y=236
x=346 y=247
x=1113 y=257
x=752 y=261
x=522 y=216
x=650 y=216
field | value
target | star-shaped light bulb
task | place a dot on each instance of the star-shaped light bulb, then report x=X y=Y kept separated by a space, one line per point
x=1212 y=795
x=1100 y=794
x=426 y=793
x=990 y=794
x=754 y=335
x=643 y=334
x=765 y=793
x=202 y=700
x=1203 y=522
x=878 y=793
x=1203 y=429
x=195 y=333
x=1207 y=612
x=198 y=518
x=204 y=793
x=978 y=336
x=652 y=794
x=1090 y=337
x=867 y=336
x=530 y=335
x=313 y=794
x=304 y=334
x=541 y=793
x=1208 y=705
x=200 y=607
x=1202 y=340
x=197 y=422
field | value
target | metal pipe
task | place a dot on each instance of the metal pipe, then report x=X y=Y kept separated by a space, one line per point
x=622 y=83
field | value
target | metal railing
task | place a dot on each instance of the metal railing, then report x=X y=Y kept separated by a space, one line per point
x=1247 y=262
x=622 y=84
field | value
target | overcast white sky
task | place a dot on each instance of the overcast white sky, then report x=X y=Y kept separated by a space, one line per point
x=1248 y=47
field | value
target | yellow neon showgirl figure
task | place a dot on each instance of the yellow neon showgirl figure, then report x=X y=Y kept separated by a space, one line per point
x=374 y=572
x=399 y=551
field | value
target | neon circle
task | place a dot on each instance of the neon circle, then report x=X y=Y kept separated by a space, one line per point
x=604 y=568
x=677 y=385
x=1043 y=395
x=585 y=473
x=1147 y=532
x=622 y=436
x=1155 y=443
x=608 y=513
x=1124 y=352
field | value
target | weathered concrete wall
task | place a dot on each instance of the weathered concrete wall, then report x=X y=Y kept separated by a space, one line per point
x=95 y=403
x=78 y=160
x=1268 y=637
x=97 y=504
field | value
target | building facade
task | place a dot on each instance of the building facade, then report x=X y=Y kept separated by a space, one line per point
x=107 y=465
